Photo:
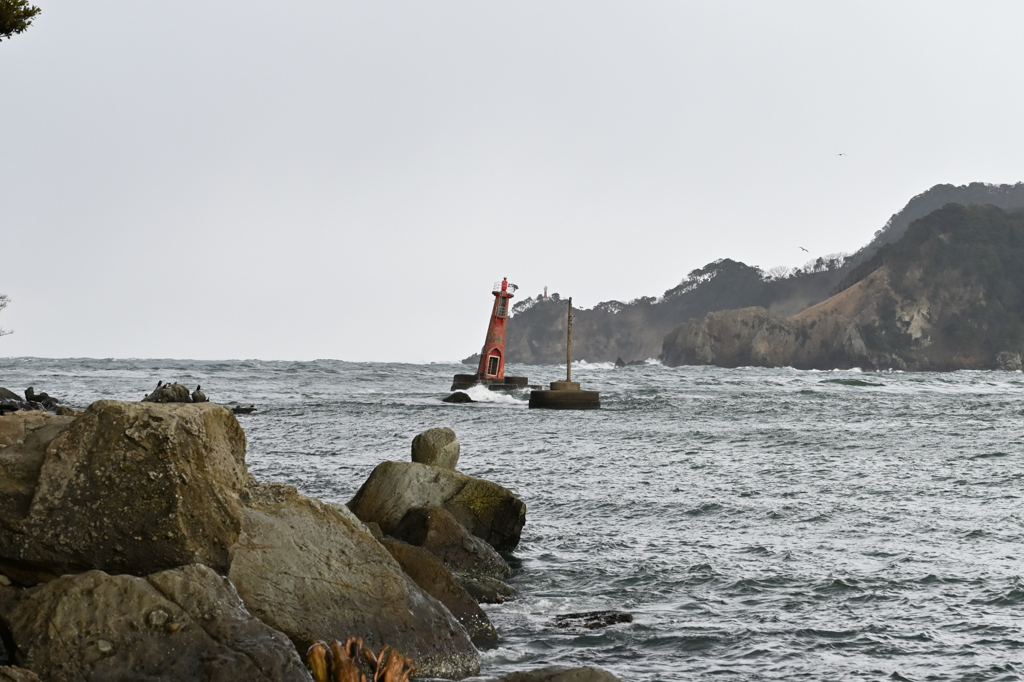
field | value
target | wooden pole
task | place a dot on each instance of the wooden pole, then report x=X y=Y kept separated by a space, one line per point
x=568 y=344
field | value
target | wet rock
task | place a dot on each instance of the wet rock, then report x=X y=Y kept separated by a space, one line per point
x=620 y=363
x=592 y=620
x=436 y=447
x=106 y=630
x=429 y=573
x=437 y=531
x=485 y=590
x=554 y=673
x=126 y=488
x=169 y=393
x=315 y=572
x=8 y=395
x=458 y=397
x=487 y=510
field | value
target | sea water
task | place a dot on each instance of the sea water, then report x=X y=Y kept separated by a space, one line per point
x=758 y=524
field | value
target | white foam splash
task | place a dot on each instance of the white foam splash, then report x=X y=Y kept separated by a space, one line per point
x=482 y=394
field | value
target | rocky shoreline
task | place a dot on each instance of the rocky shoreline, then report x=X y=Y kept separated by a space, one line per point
x=135 y=544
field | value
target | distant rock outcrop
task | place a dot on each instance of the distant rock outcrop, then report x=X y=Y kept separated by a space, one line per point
x=948 y=295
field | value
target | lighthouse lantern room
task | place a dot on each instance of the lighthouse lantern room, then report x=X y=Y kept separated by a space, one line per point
x=491 y=369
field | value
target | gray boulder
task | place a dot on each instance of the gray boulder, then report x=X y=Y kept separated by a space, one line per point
x=169 y=393
x=436 y=447
x=8 y=395
x=315 y=572
x=487 y=510
x=125 y=488
x=437 y=531
x=429 y=573
x=184 y=624
x=554 y=673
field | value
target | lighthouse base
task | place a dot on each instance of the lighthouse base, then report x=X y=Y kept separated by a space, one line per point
x=565 y=395
x=463 y=381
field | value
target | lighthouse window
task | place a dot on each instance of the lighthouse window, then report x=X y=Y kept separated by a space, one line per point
x=492 y=365
x=502 y=306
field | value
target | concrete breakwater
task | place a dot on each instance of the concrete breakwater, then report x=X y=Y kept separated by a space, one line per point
x=134 y=542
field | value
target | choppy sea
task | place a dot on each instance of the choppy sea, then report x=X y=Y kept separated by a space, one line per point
x=759 y=524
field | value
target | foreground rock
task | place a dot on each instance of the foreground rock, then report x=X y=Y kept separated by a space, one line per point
x=183 y=624
x=437 y=531
x=435 y=579
x=554 y=673
x=485 y=509
x=436 y=447
x=125 y=488
x=485 y=590
x=315 y=573
x=10 y=673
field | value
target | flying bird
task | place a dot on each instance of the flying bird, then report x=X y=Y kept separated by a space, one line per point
x=802 y=249
x=840 y=154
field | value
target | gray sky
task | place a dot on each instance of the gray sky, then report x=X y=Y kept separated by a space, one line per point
x=346 y=180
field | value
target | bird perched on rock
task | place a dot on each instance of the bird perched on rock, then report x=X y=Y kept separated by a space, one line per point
x=198 y=396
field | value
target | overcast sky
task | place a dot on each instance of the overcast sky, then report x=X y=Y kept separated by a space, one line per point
x=347 y=179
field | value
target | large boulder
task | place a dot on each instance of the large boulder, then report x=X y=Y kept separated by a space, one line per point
x=437 y=531
x=436 y=447
x=126 y=488
x=183 y=624
x=487 y=510
x=554 y=673
x=315 y=572
x=429 y=573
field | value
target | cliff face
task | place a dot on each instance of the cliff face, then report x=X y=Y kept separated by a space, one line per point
x=948 y=295
x=636 y=330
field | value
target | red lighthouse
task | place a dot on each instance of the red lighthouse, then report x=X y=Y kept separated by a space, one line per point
x=491 y=370
x=492 y=356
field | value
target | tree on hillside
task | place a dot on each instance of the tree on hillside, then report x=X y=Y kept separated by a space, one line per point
x=15 y=17
x=4 y=300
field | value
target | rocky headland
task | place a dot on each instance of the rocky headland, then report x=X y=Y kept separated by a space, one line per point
x=637 y=330
x=949 y=294
x=134 y=544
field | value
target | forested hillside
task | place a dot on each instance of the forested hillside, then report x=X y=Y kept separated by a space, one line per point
x=947 y=295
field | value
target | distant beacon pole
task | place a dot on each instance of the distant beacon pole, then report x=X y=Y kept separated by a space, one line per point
x=568 y=343
x=566 y=395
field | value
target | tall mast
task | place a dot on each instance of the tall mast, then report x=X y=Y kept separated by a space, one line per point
x=568 y=344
